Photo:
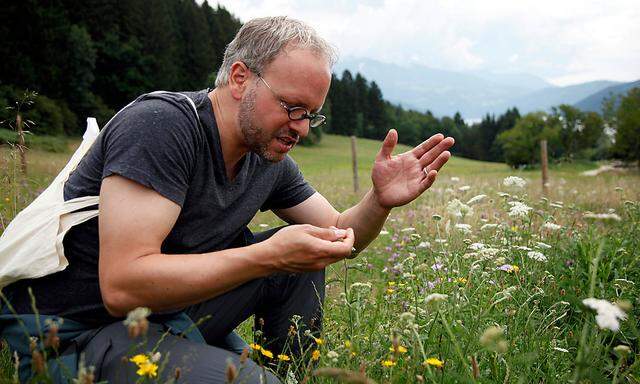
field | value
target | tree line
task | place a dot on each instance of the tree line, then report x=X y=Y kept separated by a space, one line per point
x=88 y=58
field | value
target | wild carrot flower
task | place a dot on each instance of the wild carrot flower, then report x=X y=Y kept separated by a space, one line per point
x=551 y=226
x=608 y=315
x=476 y=199
x=457 y=208
x=435 y=297
x=464 y=228
x=602 y=216
x=434 y=361
x=518 y=209
x=538 y=256
x=514 y=181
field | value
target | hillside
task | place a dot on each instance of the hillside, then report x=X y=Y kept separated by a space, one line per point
x=593 y=102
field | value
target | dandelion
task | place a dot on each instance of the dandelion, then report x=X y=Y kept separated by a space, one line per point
x=476 y=199
x=315 y=355
x=139 y=359
x=388 y=363
x=255 y=347
x=537 y=256
x=602 y=216
x=147 y=369
x=461 y=280
x=399 y=349
x=267 y=353
x=518 y=209
x=435 y=298
x=514 y=181
x=318 y=340
x=434 y=362
x=347 y=344
x=457 y=208
x=551 y=226
x=283 y=357
x=464 y=228
x=608 y=315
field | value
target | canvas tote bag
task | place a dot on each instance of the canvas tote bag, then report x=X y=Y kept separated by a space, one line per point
x=31 y=245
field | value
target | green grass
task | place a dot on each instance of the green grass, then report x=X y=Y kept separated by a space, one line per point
x=546 y=334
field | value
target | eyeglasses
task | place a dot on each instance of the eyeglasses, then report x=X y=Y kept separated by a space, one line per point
x=295 y=113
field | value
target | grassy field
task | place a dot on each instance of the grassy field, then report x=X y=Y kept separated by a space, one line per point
x=475 y=281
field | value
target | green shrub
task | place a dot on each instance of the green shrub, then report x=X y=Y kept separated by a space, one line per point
x=44 y=142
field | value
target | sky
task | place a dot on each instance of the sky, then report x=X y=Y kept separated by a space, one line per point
x=562 y=41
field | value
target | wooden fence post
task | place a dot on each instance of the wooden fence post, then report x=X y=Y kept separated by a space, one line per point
x=544 y=162
x=354 y=162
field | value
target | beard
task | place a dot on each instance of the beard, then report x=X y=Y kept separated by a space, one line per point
x=254 y=136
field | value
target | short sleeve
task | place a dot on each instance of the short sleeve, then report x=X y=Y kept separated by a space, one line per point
x=290 y=189
x=153 y=142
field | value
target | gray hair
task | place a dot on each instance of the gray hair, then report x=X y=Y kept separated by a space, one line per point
x=260 y=40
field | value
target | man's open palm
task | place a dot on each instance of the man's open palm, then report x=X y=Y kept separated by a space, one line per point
x=398 y=180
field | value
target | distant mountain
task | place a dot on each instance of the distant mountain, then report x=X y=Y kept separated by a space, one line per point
x=594 y=102
x=472 y=93
x=546 y=98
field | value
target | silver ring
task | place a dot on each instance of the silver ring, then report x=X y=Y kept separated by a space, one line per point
x=425 y=171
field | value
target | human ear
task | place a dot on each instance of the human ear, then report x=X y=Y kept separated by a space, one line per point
x=238 y=79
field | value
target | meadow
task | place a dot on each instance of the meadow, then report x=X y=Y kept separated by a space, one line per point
x=482 y=279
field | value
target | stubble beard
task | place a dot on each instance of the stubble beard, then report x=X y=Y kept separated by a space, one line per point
x=253 y=135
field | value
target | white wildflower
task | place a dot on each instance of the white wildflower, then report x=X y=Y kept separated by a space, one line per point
x=488 y=226
x=476 y=199
x=522 y=248
x=476 y=246
x=384 y=232
x=542 y=245
x=551 y=226
x=602 y=216
x=518 y=209
x=435 y=297
x=465 y=228
x=560 y=349
x=424 y=244
x=503 y=194
x=464 y=188
x=455 y=179
x=608 y=315
x=514 y=181
x=440 y=241
x=459 y=209
x=538 y=256
x=557 y=204
x=409 y=229
x=359 y=285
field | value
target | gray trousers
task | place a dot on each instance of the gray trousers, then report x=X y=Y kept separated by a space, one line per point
x=274 y=300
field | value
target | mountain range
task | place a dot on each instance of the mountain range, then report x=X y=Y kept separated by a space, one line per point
x=475 y=93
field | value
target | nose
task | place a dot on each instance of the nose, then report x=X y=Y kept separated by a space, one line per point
x=301 y=127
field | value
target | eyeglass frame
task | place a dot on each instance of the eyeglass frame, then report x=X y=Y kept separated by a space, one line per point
x=307 y=115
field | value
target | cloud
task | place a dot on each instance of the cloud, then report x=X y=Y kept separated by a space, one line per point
x=562 y=41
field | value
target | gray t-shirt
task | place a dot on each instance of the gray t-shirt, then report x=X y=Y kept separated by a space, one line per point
x=158 y=142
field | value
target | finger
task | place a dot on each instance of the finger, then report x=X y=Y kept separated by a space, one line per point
x=328 y=234
x=388 y=145
x=436 y=151
x=341 y=249
x=428 y=181
x=426 y=145
x=439 y=161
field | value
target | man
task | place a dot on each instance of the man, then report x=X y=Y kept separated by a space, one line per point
x=177 y=190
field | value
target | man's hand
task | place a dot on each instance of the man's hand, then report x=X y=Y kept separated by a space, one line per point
x=398 y=180
x=302 y=248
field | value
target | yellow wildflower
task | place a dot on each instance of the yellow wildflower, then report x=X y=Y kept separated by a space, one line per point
x=391 y=283
x=283 y=357
x=255 y=346
x=400 y=349
x=147 y=369
x=318 y=340
x=461 y=280
x=315 y=355
x=389 y=291
x=347 y=344
x=388 y=363
x=434 y=361
x=266 y=353
x=515 y=268
x=139 y=359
